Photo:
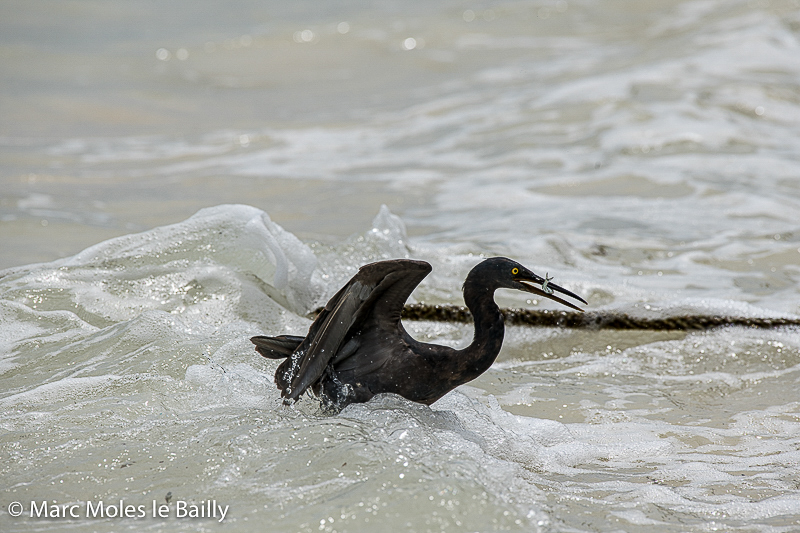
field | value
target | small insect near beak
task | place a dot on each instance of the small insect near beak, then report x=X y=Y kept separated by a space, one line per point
x=546 y=291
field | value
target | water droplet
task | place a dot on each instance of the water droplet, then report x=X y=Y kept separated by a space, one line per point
x=409 y=44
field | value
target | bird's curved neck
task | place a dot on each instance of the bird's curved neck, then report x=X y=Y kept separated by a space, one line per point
x=489 y=327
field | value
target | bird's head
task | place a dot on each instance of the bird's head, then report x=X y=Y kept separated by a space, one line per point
x=501 y=272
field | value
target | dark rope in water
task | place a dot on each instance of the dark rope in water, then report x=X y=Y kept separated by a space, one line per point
x=595 y=320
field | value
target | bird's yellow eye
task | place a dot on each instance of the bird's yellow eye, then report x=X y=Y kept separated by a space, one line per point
x=515 y=271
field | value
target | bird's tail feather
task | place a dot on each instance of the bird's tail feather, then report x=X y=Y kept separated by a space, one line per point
x=279 y=347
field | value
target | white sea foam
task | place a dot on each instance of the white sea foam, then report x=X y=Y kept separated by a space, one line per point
x=162 y=363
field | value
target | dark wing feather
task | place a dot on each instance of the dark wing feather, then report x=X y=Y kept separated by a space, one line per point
x=374 y=297
x=279 y=347
x=325 y=343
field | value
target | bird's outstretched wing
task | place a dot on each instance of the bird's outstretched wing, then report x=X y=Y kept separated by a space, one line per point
x=374 y=297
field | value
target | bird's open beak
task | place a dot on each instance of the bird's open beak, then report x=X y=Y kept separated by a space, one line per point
x=527 y=280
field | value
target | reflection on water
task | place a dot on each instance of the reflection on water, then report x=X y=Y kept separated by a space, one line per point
x=646 y=153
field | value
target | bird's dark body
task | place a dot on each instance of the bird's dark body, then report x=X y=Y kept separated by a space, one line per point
x=357 y=346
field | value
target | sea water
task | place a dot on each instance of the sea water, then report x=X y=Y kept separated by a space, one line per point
x=179 y=177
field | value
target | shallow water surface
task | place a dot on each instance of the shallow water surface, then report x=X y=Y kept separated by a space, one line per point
x=177 y=178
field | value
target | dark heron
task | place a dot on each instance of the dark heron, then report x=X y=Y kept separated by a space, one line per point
x=357 y=346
